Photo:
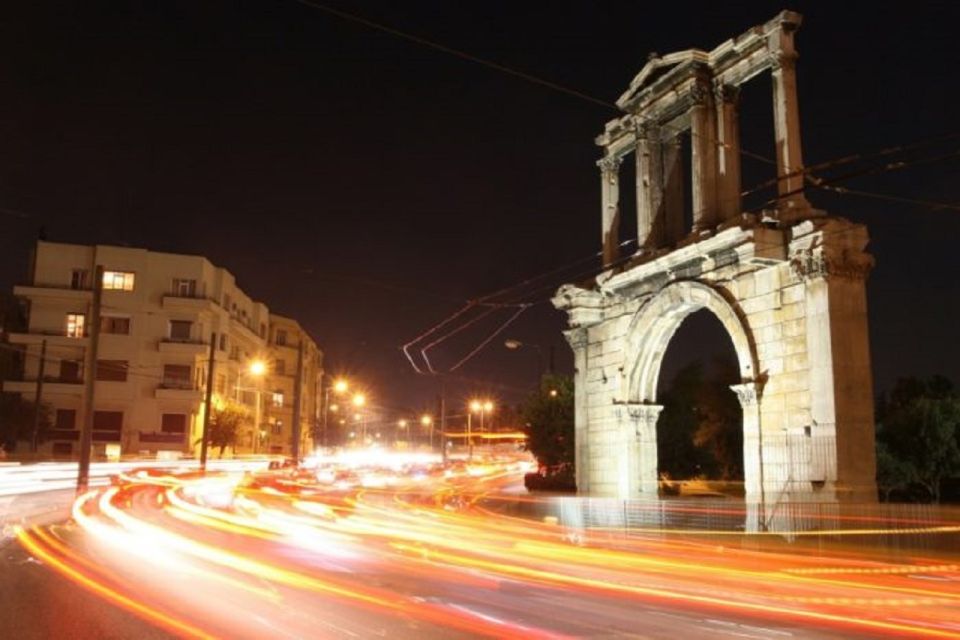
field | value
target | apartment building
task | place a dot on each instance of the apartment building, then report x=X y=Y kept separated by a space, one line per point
x=158 y=313
x=286 y=337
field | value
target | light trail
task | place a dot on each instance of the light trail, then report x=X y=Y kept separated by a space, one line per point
x=428 y=554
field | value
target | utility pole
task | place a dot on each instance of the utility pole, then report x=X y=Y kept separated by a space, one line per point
x=207 y=404
x=38 y=396
x=297 y=383
x=89 y=380
x=443 y=419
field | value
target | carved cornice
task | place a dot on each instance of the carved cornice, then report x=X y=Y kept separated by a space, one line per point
x=809 y=264
x=645 y=413
x=699 y=94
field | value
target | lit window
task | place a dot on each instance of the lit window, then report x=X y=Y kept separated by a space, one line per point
x=278 y=398
x=75 y=325
x=118 y=280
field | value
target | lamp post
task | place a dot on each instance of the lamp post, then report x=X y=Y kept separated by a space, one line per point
x=476 y=406
x=359 y=400
x=401 y=424
x=339 y=386
x=427 y=421
x=515 y=345
x=256 y=369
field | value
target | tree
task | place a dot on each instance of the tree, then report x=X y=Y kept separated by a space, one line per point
x=549 y=424
x=225 y=424
x=918 y=434
x=17 y=420
x=700 y=429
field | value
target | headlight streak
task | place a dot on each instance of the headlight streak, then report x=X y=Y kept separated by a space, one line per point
x=437 y=536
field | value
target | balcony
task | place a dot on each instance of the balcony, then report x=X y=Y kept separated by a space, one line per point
x=52 y=291
x=53 y=339
x=50 y=385
x=187 y=304
x=173 y=390
x=174 y=346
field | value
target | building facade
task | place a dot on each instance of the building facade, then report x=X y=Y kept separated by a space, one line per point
x=158 y=313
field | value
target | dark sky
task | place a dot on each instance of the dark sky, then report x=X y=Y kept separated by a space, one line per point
x=367 y=186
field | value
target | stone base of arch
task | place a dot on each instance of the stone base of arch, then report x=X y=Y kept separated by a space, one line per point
x=793 y=301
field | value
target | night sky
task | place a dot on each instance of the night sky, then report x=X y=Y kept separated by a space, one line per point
x=368 y=186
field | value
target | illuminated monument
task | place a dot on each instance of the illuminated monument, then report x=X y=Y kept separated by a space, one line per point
x=787 y=283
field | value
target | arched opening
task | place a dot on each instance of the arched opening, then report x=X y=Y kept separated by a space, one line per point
x=700 y=429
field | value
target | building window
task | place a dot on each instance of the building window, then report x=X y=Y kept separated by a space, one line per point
x=263 y=330
x=70 y=371
x=280 y=338
x=180 y=330
x=79 y=279
x=279 y=366
x=278 y=398
x=278 y=428
x=113 y=324
x=173 y=423
x=118 y=280
x=66 y=419
x=177 y=376
x=112 y=370
x=183 y=288
x=223 y=342
x=234 y=352
x=221 y=385
x=108 y=421
x=76 y=323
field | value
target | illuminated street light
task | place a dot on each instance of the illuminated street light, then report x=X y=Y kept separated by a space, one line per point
x=359 y=400
x=257 y=368
x=426 y=420
x=341 y=386
x=402 y=424
x=553 y=393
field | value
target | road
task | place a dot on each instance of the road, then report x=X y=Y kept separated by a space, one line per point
x=420 y=554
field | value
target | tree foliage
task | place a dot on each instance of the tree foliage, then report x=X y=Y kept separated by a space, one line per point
x=225 y=425
x=16 y=420
x=549 y=423
x=700 y=430
x=918 y=435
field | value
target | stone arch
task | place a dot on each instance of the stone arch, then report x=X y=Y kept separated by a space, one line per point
x=647 y=338
x=655 y=323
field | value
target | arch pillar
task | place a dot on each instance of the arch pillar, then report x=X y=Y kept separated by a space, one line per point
x=748 y=393
x=642 y=452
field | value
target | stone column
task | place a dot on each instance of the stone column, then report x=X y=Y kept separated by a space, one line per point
x=610 y=205
x=748 y=393
x=703 y=134
x=728 y=151
x=643 y=467
x=673 y=189
x=650 y=223
x=577 y=338
x=786 y=123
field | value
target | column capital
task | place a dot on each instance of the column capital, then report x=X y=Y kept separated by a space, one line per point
x=809 y=264
x=645 y=414
x=609 y=164
x=728 y=94
x=748 y=393
x=699 y=94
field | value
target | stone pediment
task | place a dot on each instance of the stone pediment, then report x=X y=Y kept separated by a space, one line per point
x=657 y=68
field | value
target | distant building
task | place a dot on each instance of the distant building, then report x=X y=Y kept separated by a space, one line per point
x=158 y=313
x=285 y=336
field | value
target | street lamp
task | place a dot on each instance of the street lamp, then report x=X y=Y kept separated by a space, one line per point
x=359 y=400
x=481 y=407
x=339 y=387
x=401 y=424
x=256 y=369
x=515 y=345
x=427 y=421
